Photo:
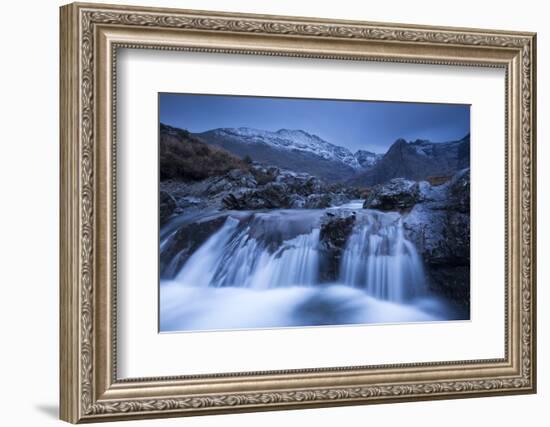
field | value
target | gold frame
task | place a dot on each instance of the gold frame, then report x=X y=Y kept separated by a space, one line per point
x=90 y=36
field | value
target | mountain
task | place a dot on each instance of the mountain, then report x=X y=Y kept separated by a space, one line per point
x=417 y=160
x=367 y=159
x=291 y=149
x=183 y=157
x=301 y=151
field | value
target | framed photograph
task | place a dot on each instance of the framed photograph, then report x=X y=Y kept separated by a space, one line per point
x=265 y=212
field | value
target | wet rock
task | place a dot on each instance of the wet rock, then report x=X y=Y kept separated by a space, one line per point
x=297 y=202
x=167 y=206
x=274 y=195
x=439 y=226
x=441 y=236
x=220 y=185
x=301 y=184
x=396 y=194
x=185 y=242
x=188 y=201
x=338 y=199
x=453 y=282
x=264 y=174
x=258 y=189
x=237 y=201
x=284 y=190
x=335 y=229
x=318 y=201
x=235 y=179
x=459 y=191
x=242 y=178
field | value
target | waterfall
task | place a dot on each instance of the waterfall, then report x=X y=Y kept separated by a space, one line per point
x=281 y=249
x=263 y=270
x=379 y=259
x=233 y=256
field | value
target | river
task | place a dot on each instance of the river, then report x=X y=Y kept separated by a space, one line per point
x=262 y=270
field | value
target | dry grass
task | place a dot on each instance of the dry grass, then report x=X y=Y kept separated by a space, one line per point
x=185 y=157
x=438 y=180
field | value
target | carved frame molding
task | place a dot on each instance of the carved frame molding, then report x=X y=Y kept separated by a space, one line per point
x=90 y=36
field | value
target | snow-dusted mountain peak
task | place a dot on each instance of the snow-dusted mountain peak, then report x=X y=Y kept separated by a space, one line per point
x=298 y=140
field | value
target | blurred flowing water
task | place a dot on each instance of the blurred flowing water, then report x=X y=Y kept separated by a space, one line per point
x=262 y=270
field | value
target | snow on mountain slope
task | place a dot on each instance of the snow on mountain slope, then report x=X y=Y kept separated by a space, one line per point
x=417 y=160
x=367 y=159
x=298 y=140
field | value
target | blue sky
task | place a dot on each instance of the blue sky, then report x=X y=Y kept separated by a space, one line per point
x=356 y=125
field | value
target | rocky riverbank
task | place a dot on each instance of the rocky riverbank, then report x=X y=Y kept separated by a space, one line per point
x=254 y=189
x=436 y=219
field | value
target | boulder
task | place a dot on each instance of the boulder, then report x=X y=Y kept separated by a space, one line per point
x=318 y=201
x=334 y=233
x=219 y=185
x=302 y=184
x=167 y=206
x=274 y=195
x=297 y=202
x=396 y=194
x=261 y=188
x=441 y=236
x=439 y=226
x=459 y=191
x=185 y=242
x=242 y=178
x=234 y=179
x=453 y=282
x=338 y=199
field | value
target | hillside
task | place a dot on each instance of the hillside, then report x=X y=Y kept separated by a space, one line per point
x=417 y=160
x=184 y=157
x=296 y=150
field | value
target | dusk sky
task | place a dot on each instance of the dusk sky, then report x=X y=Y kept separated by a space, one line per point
x=366 y=125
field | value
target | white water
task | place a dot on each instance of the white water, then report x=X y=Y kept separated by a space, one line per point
x=195 y=309
x=231 y=257
x=380 y=260
x=261 y=269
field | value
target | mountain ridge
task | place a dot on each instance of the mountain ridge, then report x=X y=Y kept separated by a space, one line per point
x=301 y=151
x=291 y=139
x=417 y=160
x=297 y=150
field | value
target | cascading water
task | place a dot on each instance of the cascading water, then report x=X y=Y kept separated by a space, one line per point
x=232 y=257
x=262 y=269
x=379 y=259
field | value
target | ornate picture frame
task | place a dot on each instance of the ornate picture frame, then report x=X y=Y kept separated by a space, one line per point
x=91 y=34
